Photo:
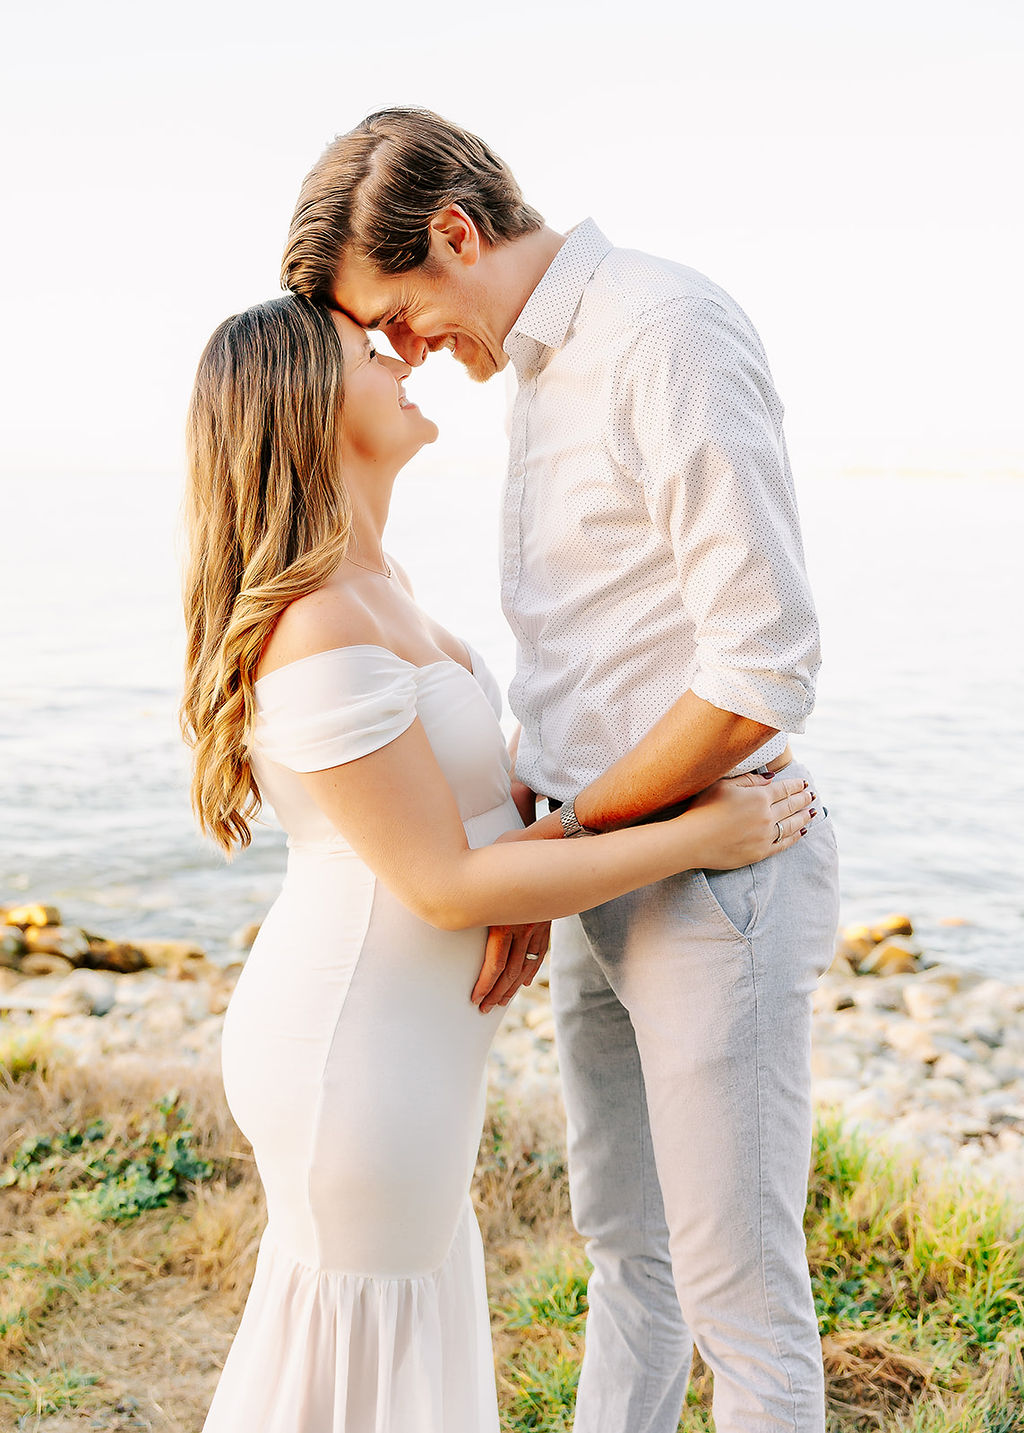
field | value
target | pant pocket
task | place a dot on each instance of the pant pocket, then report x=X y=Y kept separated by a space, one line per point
x=731 y=897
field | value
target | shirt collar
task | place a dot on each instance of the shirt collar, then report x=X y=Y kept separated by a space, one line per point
x=550 y=308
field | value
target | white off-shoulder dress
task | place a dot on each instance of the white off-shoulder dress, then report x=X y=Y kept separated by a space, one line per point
x=354 y=1063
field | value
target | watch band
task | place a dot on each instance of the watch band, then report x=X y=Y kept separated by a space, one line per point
x=571 y=824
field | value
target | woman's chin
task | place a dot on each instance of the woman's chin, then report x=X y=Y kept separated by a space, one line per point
x=426 y=432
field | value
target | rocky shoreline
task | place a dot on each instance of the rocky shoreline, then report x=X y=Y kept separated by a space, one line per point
x=929 y=1057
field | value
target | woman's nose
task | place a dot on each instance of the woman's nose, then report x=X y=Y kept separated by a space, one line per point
x=397 y=366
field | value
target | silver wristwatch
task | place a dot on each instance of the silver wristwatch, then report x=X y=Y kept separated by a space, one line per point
x=571 y=825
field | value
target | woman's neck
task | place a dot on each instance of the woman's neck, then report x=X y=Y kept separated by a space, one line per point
x=369 y=519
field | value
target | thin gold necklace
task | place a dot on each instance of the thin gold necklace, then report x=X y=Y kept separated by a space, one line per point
x=375 y=570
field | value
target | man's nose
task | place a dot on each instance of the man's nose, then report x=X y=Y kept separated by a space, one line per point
x=408 y=345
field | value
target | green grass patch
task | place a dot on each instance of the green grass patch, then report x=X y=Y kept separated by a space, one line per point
x=114 y=1177
x=919 y=1292
x=24 y=1053
x=541 y=1392
x=554 y=1297
x=43 y=1396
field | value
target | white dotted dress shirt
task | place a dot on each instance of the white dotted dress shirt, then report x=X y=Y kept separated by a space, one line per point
x=650 y=537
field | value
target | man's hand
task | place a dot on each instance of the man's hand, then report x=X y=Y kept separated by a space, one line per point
x=507 y=962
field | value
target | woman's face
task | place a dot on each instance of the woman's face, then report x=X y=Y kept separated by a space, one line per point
x=379 y=425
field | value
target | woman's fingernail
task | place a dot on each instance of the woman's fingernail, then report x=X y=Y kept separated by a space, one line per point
x=812 y=812
x=805 y=785
x=803 y=830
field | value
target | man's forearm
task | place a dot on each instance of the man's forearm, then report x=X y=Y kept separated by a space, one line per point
x=692 y=745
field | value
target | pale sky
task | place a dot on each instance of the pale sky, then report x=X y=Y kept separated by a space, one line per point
x=851 y=174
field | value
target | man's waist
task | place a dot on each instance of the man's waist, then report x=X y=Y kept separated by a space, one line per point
x=664 y=813
x=776 y=763
x=562 y=772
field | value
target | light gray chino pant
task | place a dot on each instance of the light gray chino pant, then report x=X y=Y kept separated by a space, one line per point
x=683 y=1018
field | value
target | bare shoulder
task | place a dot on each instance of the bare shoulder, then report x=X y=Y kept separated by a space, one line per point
x=334 y=615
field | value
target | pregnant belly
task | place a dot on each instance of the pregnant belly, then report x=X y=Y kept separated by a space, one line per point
x=352 y=1054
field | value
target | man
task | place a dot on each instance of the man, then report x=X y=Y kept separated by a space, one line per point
x=653 y=574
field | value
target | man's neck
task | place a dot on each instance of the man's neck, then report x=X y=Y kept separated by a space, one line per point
x=529 y=259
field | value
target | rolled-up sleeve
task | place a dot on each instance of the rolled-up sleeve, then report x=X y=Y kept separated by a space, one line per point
x=707 y=425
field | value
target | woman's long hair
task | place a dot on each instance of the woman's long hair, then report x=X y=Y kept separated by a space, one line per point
x=267 y=520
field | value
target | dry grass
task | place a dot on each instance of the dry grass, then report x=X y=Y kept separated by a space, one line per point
x=146 y=1308
x=125 y=1326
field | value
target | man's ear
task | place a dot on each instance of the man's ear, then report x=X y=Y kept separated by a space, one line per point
x=454 y=238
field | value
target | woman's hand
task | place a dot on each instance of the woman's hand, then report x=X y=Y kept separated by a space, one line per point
x=512 y=958
x=747 y=818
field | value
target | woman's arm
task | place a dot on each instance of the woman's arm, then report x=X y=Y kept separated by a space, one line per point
x=397 y=812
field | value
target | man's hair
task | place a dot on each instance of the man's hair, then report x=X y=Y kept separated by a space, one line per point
x=375 y=190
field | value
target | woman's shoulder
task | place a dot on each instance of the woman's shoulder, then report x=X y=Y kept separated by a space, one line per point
x=330 y=618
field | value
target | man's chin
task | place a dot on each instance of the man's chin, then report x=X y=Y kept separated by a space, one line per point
x=480 y=367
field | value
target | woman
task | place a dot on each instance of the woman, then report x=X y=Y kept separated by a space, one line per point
x=355 y=1044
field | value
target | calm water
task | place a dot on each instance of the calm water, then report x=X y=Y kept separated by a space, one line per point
x=916 y=741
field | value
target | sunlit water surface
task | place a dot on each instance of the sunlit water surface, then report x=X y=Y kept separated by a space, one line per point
x=916 y=740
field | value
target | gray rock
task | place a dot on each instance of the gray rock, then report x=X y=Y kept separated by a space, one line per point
x=835 y=1062
x=894 y=956
x=830 y=1092
x=84 y=992
x=12 y=947
x=924 y=1000
x=915 y=1042
x=42 y=962
x=885 y=993
x=31 y=995
x=898 y=924
x=64 y=940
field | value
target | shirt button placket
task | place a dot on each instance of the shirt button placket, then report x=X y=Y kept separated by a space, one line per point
x=513 y=515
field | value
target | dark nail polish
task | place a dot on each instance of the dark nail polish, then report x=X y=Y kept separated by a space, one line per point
x=803 y=830
x=812 y=812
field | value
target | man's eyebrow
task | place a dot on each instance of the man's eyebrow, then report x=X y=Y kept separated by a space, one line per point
x=363 y=323
x=376 y=322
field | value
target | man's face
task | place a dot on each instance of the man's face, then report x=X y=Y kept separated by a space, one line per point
x=439 y=305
